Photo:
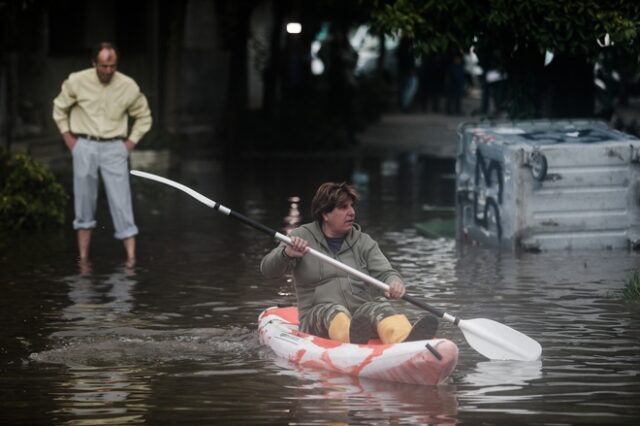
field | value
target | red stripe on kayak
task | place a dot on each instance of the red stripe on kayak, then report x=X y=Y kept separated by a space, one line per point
x=288 y=314
x=323 y=363
x=299 y=356
x=377 y=351
x=325 y=343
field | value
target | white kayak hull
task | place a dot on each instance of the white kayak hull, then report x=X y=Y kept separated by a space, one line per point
x=424 y=362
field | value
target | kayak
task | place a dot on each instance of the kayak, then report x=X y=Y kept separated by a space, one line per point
x=423 y=362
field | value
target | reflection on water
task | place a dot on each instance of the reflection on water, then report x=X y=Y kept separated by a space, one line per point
x=293 y=219
x=489 y=374
x=93 y=396
x=110 y=351
x=352 y=400
x=95 y=299
x=97 y=395
x=501 y=383
x=173 y=340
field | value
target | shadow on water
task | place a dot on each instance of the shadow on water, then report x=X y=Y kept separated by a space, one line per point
x=173 y=340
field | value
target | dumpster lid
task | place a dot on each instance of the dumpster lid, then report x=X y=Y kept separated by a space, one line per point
x=545 y=132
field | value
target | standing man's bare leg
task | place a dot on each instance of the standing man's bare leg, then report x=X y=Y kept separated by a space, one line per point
x=130 y=247
x=84 y=240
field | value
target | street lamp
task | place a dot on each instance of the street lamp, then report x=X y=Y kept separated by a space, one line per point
x=294 y=27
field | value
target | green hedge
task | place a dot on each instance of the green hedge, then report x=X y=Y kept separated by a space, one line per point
x=30 y=195
x=631 y=289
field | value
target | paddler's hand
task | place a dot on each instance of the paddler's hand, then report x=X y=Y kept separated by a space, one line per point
x=396 y=290
x=298 y=248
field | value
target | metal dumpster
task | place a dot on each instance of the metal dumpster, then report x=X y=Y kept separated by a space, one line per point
x=548 y=185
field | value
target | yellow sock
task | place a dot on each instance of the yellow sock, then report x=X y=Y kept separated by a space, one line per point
x=339 y=327
x=394 y=329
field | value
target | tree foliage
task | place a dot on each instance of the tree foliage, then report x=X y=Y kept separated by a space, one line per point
x=514 y=36
x=30 y=196
x=563 y=27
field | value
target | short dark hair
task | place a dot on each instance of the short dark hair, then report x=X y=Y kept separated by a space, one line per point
x=329 y=196
x=101 y=46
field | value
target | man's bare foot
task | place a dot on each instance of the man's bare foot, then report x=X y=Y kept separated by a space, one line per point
x=84 y=266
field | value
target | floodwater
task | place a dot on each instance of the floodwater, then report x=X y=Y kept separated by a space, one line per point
x=173 y=340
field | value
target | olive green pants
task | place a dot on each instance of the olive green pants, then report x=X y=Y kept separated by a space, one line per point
x=319 y=317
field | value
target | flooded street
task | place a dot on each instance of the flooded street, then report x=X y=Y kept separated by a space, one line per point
x=174 y=339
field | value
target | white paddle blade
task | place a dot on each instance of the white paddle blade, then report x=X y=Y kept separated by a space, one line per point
x=499 y=342
x=198 y=196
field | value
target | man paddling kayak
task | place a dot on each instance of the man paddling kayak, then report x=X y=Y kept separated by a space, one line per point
x=330 y=302
x=490 y=338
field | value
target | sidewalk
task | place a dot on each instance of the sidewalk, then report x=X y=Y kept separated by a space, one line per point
x=430 y=133
x=436 y=135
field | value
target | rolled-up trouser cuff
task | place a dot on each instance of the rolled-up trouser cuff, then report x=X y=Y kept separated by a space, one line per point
x=84 y=225
x=127 y=233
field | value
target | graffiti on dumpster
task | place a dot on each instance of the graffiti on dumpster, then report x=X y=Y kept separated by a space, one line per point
x=488 y=175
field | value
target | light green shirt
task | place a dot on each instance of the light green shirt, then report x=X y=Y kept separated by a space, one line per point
x=86 y=106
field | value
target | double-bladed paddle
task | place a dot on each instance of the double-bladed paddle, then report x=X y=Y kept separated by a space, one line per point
x=490 y=338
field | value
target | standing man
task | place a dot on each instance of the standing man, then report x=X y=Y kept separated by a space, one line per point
x=92 y=113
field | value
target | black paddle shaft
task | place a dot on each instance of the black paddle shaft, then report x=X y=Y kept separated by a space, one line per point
x=272 y=232
x=251 y=222
x=419 y=303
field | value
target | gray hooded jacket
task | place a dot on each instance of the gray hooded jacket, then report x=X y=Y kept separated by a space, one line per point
x=319 y=282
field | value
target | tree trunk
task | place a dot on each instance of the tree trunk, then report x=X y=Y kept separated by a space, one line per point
x=571 y=88
x=236 y=17
x=270 y=75
x=524 y=87
x=173 y=21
